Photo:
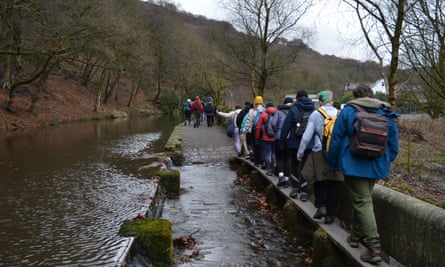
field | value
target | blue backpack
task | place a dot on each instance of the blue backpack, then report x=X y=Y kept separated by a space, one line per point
x=187 y=107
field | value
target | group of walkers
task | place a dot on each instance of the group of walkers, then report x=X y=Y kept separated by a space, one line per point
x=200 y=110
x=289 y=140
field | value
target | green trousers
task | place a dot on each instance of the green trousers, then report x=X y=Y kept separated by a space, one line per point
x=363 y=222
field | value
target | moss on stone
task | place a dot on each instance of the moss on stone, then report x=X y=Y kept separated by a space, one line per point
x=169 y=180
x=178 y=158
x=174 y=143
x=154 y=235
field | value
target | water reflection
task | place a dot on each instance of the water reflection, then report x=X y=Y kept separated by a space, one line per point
x=65 y=191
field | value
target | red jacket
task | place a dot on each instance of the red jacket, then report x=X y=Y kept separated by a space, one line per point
x=259 y=131
x=199 y=106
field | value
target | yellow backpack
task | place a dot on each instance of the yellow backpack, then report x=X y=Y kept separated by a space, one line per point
x=328 y=127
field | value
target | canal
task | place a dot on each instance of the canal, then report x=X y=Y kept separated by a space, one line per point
x=64 y=191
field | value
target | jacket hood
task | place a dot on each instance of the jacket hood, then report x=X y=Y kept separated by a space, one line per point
x=305 y=103
x=375 y=103
x=369 y=102
x=271 y=110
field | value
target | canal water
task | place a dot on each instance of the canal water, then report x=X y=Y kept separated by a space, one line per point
x=64 y=191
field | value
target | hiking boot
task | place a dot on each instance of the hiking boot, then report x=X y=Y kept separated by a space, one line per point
x=353 y=241
x=328 y=219
x=282 y=181
x=294 y=193
x=303 y=196
x=321 y=212
x=372 y=255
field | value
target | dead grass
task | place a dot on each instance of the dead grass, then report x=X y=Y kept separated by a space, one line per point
x=419 y=169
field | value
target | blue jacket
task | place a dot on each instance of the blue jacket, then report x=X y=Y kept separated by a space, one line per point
x=339 y=154
x=287 y=136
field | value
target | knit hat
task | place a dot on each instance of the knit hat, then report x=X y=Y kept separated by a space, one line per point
x=323 y=96
x=188 y=100
x=288 y=100
x=269 y=104
x=258 y=100
x=301 y=94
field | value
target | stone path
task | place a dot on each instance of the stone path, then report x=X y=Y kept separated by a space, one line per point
x=207 y=202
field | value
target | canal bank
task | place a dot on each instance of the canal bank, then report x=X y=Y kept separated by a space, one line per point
x=404 y=222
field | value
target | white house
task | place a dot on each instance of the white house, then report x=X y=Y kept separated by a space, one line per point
x=379 y=87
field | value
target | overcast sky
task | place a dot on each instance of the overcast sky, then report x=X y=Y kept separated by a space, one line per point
x=333 y=28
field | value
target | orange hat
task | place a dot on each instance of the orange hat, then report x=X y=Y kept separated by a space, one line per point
x=258 y=100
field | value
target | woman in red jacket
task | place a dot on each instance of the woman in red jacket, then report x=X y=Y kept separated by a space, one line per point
x=265 y=134
x=197 y=111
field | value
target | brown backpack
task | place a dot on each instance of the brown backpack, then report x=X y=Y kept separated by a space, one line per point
x=370 y=134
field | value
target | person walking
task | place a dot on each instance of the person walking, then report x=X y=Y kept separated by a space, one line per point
x=267 y=142
x=283 y=162
x=290 y=142
x=209 y=110
x=197 y=111
x=247 y=129
x=361 y=173
x=327 y=185
x=236 y=135
x=245 y=146
x=187 y=109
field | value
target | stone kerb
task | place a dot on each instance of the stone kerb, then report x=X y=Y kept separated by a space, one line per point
x=411 y=230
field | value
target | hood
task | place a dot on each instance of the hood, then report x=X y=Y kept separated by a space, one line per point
x=271 y=110
x=375 y=103
x=305 y=103
x=369 y=102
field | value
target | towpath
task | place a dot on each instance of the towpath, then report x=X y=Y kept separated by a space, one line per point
x=208 y=208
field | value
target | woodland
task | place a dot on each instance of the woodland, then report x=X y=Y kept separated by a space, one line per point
x=118 y=50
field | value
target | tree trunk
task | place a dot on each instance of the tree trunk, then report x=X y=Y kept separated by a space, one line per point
x=134 y=91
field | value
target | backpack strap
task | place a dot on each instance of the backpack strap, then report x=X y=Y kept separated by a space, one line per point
x=325 y=116
x=359 y=108
x=323 y=112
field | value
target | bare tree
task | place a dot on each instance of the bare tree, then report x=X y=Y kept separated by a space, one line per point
x=265 y=23
x=24 y=39
x=425 y=53
x=382 y=24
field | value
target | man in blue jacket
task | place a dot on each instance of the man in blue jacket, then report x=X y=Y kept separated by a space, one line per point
x=290 y=142
x=361 y=173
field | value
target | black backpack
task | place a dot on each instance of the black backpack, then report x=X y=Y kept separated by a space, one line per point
x=370 y=134
x=268 y=125
x=301 y=124
x=208 y=108
x=240 y=116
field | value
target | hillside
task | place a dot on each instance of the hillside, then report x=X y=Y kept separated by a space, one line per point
x=63 y=101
